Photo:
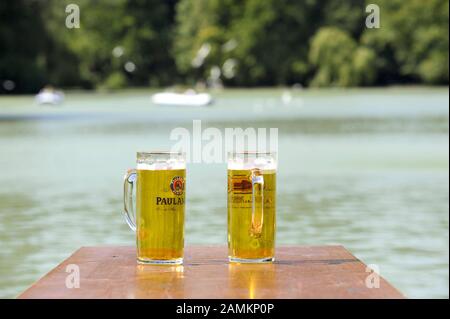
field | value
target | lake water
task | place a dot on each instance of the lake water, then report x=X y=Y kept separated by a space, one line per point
x=367 y=169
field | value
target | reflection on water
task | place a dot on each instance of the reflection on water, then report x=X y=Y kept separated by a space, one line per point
x=365 y=169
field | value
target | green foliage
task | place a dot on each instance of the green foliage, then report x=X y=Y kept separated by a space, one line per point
x=339 y=61
x=114 y=81
x=364 y=67
x=274 y=37
x=269 y=46
x=412 y=43
x=332 y=53
x=238 y=42
x=22 y=48
x=348 y=15
x=113 y=33
x=37 y=48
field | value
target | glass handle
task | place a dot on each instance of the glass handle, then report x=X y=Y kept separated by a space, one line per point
x=257 y=203
x=128 y=209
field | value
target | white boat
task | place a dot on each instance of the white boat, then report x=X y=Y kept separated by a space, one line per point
x=49 y=97
x=188 y=98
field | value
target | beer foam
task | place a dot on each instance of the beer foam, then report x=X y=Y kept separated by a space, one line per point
x=259 y=163
x=161 y=166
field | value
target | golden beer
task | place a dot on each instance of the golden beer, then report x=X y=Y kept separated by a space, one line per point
x=160 y=209
x=251 y=214
x=160 y=214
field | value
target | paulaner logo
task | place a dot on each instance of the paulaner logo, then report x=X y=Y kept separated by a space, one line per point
x=169 y=200
x=177 y=185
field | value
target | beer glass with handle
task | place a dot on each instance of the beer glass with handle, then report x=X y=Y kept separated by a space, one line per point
x=251 y=206
x=158 y=221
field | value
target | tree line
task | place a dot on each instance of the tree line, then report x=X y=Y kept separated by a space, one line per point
x=123 y=43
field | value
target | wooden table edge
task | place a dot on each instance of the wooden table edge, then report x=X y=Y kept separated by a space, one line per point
x=23 y=294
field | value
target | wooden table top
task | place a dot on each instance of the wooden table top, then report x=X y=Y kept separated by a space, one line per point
x=299 y=272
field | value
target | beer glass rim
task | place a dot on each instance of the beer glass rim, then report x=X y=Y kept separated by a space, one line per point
x=262 y=153
x=160 y=153
x=168 y=160
x=160 y=156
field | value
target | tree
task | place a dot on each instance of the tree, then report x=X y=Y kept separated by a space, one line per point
x=237 y=42
x=412 y=43
x=120 y=42
x=270 y=39
x=339 y=61
x=23 y=39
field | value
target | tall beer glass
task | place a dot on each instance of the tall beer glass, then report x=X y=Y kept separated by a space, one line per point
x=251 y=207
x=160 y=206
